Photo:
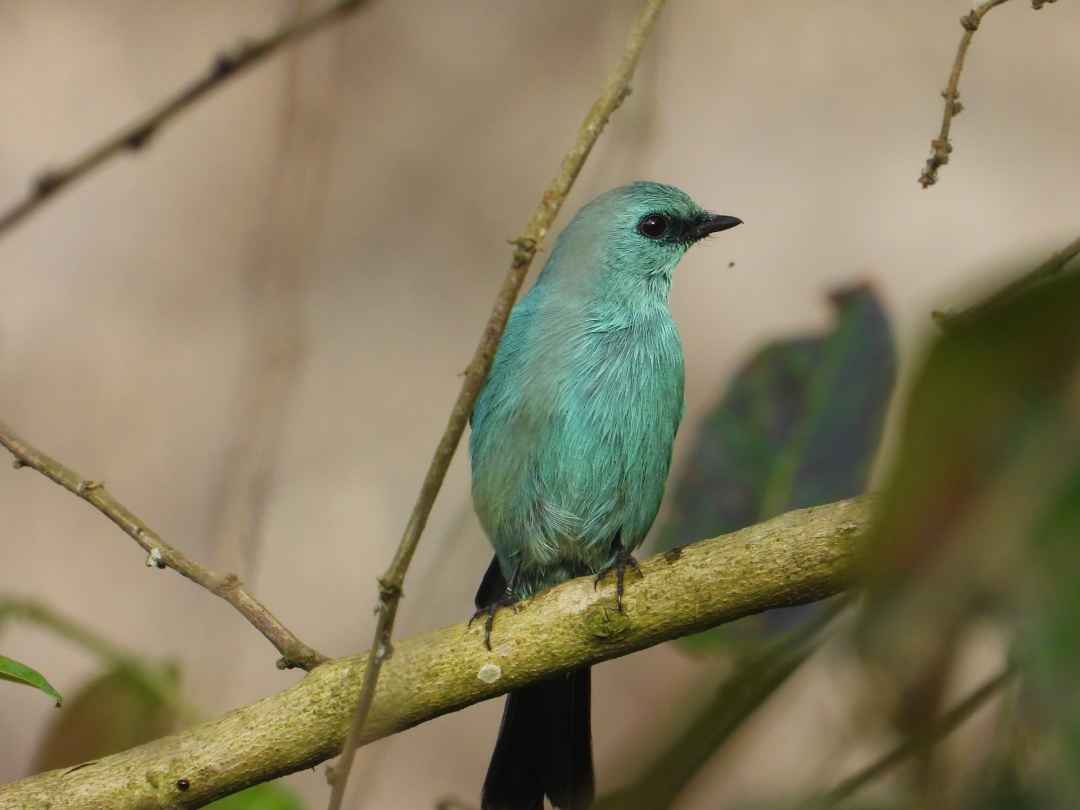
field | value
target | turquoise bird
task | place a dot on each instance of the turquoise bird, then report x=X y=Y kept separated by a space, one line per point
x=570 y=448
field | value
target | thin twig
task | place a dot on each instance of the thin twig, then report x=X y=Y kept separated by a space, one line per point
x=161 y=555
x=525 y=248
x=944 y=726
x=940 y=147
x=1049 y=269
x=135 y=136
x=799 y=557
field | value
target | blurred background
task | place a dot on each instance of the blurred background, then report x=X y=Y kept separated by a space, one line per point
x=253 y=330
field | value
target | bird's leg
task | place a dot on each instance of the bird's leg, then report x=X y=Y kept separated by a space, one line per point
x=489 y=611
x=505 y=599
x=623 y=560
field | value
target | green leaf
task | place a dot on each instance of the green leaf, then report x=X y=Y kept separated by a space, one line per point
x=988 y=432
x=1049 y=646
x=113 y=712
x=12 y=670
x=798 y=426
x=979 y=524
x=267 y=796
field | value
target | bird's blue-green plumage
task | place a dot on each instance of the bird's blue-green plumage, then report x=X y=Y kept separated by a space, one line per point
x=572 y=433
x=571 y=445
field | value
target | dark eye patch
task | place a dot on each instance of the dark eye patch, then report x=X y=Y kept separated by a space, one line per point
x=661 y=227
x=654 y=226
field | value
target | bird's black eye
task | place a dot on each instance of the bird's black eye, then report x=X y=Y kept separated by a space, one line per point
x=654 y=226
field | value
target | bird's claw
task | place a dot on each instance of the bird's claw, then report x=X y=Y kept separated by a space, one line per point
x=623 y=560
x=489 y=613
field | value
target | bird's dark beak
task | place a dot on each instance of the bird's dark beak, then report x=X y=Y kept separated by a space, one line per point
x=714 y=223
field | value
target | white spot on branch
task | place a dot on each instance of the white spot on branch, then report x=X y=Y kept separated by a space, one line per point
x=489 y=672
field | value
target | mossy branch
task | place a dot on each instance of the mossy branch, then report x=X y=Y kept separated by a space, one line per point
x=796 y=558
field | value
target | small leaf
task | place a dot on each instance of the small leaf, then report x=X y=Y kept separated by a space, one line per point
x=12 y=670
x=267 y=796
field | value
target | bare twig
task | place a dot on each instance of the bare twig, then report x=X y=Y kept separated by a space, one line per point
x=796 y=558
x=161 y=555
x=944 y=726
x=1049 y=269
x=525 y=247
x=136 y=135
x=940 y=147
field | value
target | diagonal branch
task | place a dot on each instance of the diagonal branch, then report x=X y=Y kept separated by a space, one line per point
x=138 y=134
x=162 y=555
x=796 y=558
x=525 y=248
x=939 y=730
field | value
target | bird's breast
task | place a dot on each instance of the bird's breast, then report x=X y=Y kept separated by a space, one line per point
x=576 y=439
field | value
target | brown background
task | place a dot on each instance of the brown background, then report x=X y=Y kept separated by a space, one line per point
x=253 y=331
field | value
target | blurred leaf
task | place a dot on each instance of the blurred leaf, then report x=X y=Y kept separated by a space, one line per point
x=113 y=712
x=12 y=670
x=1005 y=791
x=912 y=746
x=267 y=796
x=1049 y=645
x=987 y=433
x=734 y=700
x=980 y=518
x=798 y=426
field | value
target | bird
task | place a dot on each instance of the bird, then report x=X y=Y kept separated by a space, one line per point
x=570 y=448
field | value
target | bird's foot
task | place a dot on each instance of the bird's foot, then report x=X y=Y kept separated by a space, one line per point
x=489 y=611
x=623 y=560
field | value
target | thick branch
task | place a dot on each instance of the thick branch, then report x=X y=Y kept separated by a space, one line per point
x=136 y=135
x=161 y=555
x=525 y=248
x=793 y=559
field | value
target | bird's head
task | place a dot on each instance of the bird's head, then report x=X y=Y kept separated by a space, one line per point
x=640 y=230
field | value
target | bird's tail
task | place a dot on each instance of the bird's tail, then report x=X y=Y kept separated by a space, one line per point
x=544 y=747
